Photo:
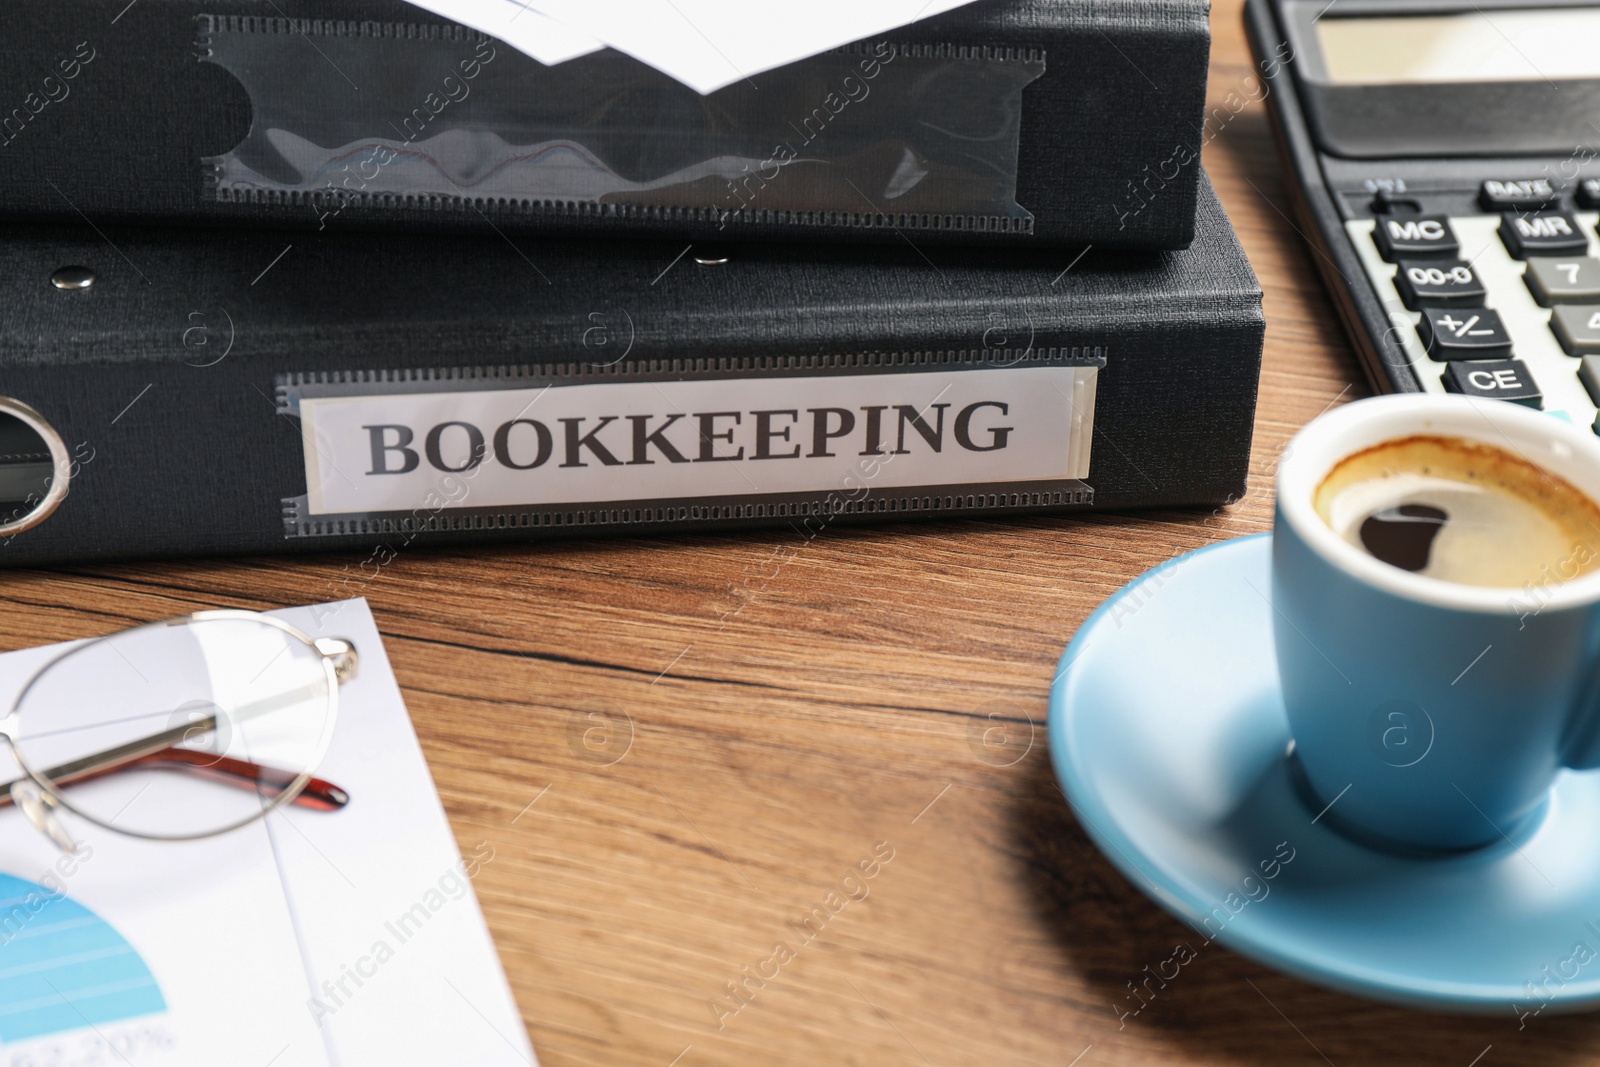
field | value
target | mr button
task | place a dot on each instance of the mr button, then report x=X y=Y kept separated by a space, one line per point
x=1415 y=235
x=1544 y=233
x=1504 y=379
x=1442 y=283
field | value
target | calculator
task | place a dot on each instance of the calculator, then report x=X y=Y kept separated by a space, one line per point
x=1445 y=173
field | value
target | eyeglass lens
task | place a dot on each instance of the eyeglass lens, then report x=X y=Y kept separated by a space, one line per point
x=149 y=730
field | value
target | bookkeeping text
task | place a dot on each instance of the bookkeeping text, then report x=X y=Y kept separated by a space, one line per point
x=595 y=442
x=702 y=437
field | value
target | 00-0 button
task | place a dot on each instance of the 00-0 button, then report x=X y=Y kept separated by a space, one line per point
x=1446 y=283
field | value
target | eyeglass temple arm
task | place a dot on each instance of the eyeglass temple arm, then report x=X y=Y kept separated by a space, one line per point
x=319 y=794
x=163 y=748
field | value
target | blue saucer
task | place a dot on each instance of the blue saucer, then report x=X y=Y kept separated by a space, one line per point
x=1169 y=737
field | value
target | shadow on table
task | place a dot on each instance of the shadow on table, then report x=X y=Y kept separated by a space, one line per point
x=1108 y=937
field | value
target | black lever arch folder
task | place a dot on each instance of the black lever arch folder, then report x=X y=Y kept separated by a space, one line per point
x=217 y=392
x=1023 y=122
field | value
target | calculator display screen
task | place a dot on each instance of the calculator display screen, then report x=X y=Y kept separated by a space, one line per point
x=1480 y=46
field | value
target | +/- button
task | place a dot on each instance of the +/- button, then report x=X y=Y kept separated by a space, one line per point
x=1464 y=333
x=1564 y=281
x=1504 y=379
x=1442 y=283
x=1528 y=194
x=1405 y=236
x=1543 y=233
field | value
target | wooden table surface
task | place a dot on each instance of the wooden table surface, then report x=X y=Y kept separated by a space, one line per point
x=678 y=748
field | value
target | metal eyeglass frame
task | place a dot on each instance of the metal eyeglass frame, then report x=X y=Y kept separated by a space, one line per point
x=40 y=798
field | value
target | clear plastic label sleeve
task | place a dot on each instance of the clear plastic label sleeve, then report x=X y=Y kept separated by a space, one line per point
x=719 y=438
x=441 y=118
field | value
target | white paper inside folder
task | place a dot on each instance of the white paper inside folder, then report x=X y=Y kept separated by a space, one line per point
x=518 y=25
x=705 y=44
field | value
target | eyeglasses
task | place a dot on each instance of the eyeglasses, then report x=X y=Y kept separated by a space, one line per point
x=136 y=731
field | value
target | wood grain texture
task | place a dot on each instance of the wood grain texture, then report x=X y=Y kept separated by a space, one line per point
x=679 y=748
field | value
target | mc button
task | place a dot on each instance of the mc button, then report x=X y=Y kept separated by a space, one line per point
x=1503 y=379
x=1404 y=236
x=1442 y=283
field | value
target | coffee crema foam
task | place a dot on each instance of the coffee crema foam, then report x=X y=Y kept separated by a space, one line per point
x=1461 y=511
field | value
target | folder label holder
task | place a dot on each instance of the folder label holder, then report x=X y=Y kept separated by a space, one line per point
x=451 y=450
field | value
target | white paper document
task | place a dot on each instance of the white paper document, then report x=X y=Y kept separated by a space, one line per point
x=308 y=939
x=519 y=25
x=706 y=44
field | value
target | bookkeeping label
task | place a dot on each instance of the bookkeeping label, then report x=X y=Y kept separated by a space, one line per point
x=592 y=443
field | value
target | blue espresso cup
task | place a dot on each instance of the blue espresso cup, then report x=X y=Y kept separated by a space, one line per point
x=1429 y=714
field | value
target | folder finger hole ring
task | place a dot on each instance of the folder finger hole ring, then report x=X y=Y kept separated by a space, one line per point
x=35 y=468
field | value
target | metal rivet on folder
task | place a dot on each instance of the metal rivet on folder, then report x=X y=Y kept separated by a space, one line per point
x=72 y=278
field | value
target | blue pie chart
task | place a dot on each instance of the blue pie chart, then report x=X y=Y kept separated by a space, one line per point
x=62 y=967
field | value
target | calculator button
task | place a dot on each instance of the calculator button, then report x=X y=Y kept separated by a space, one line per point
x=1503 y=379
x=1464 y=333
x=1589 y=375
x=1543 y=233
x=1405 y=236
x=1589 y=193
x=1530 y=194
x=1387 y=201
x=1577 y=327
x=1564 y=281
x=1445 y=283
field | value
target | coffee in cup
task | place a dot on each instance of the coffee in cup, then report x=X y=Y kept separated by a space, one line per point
x=1461 y=511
